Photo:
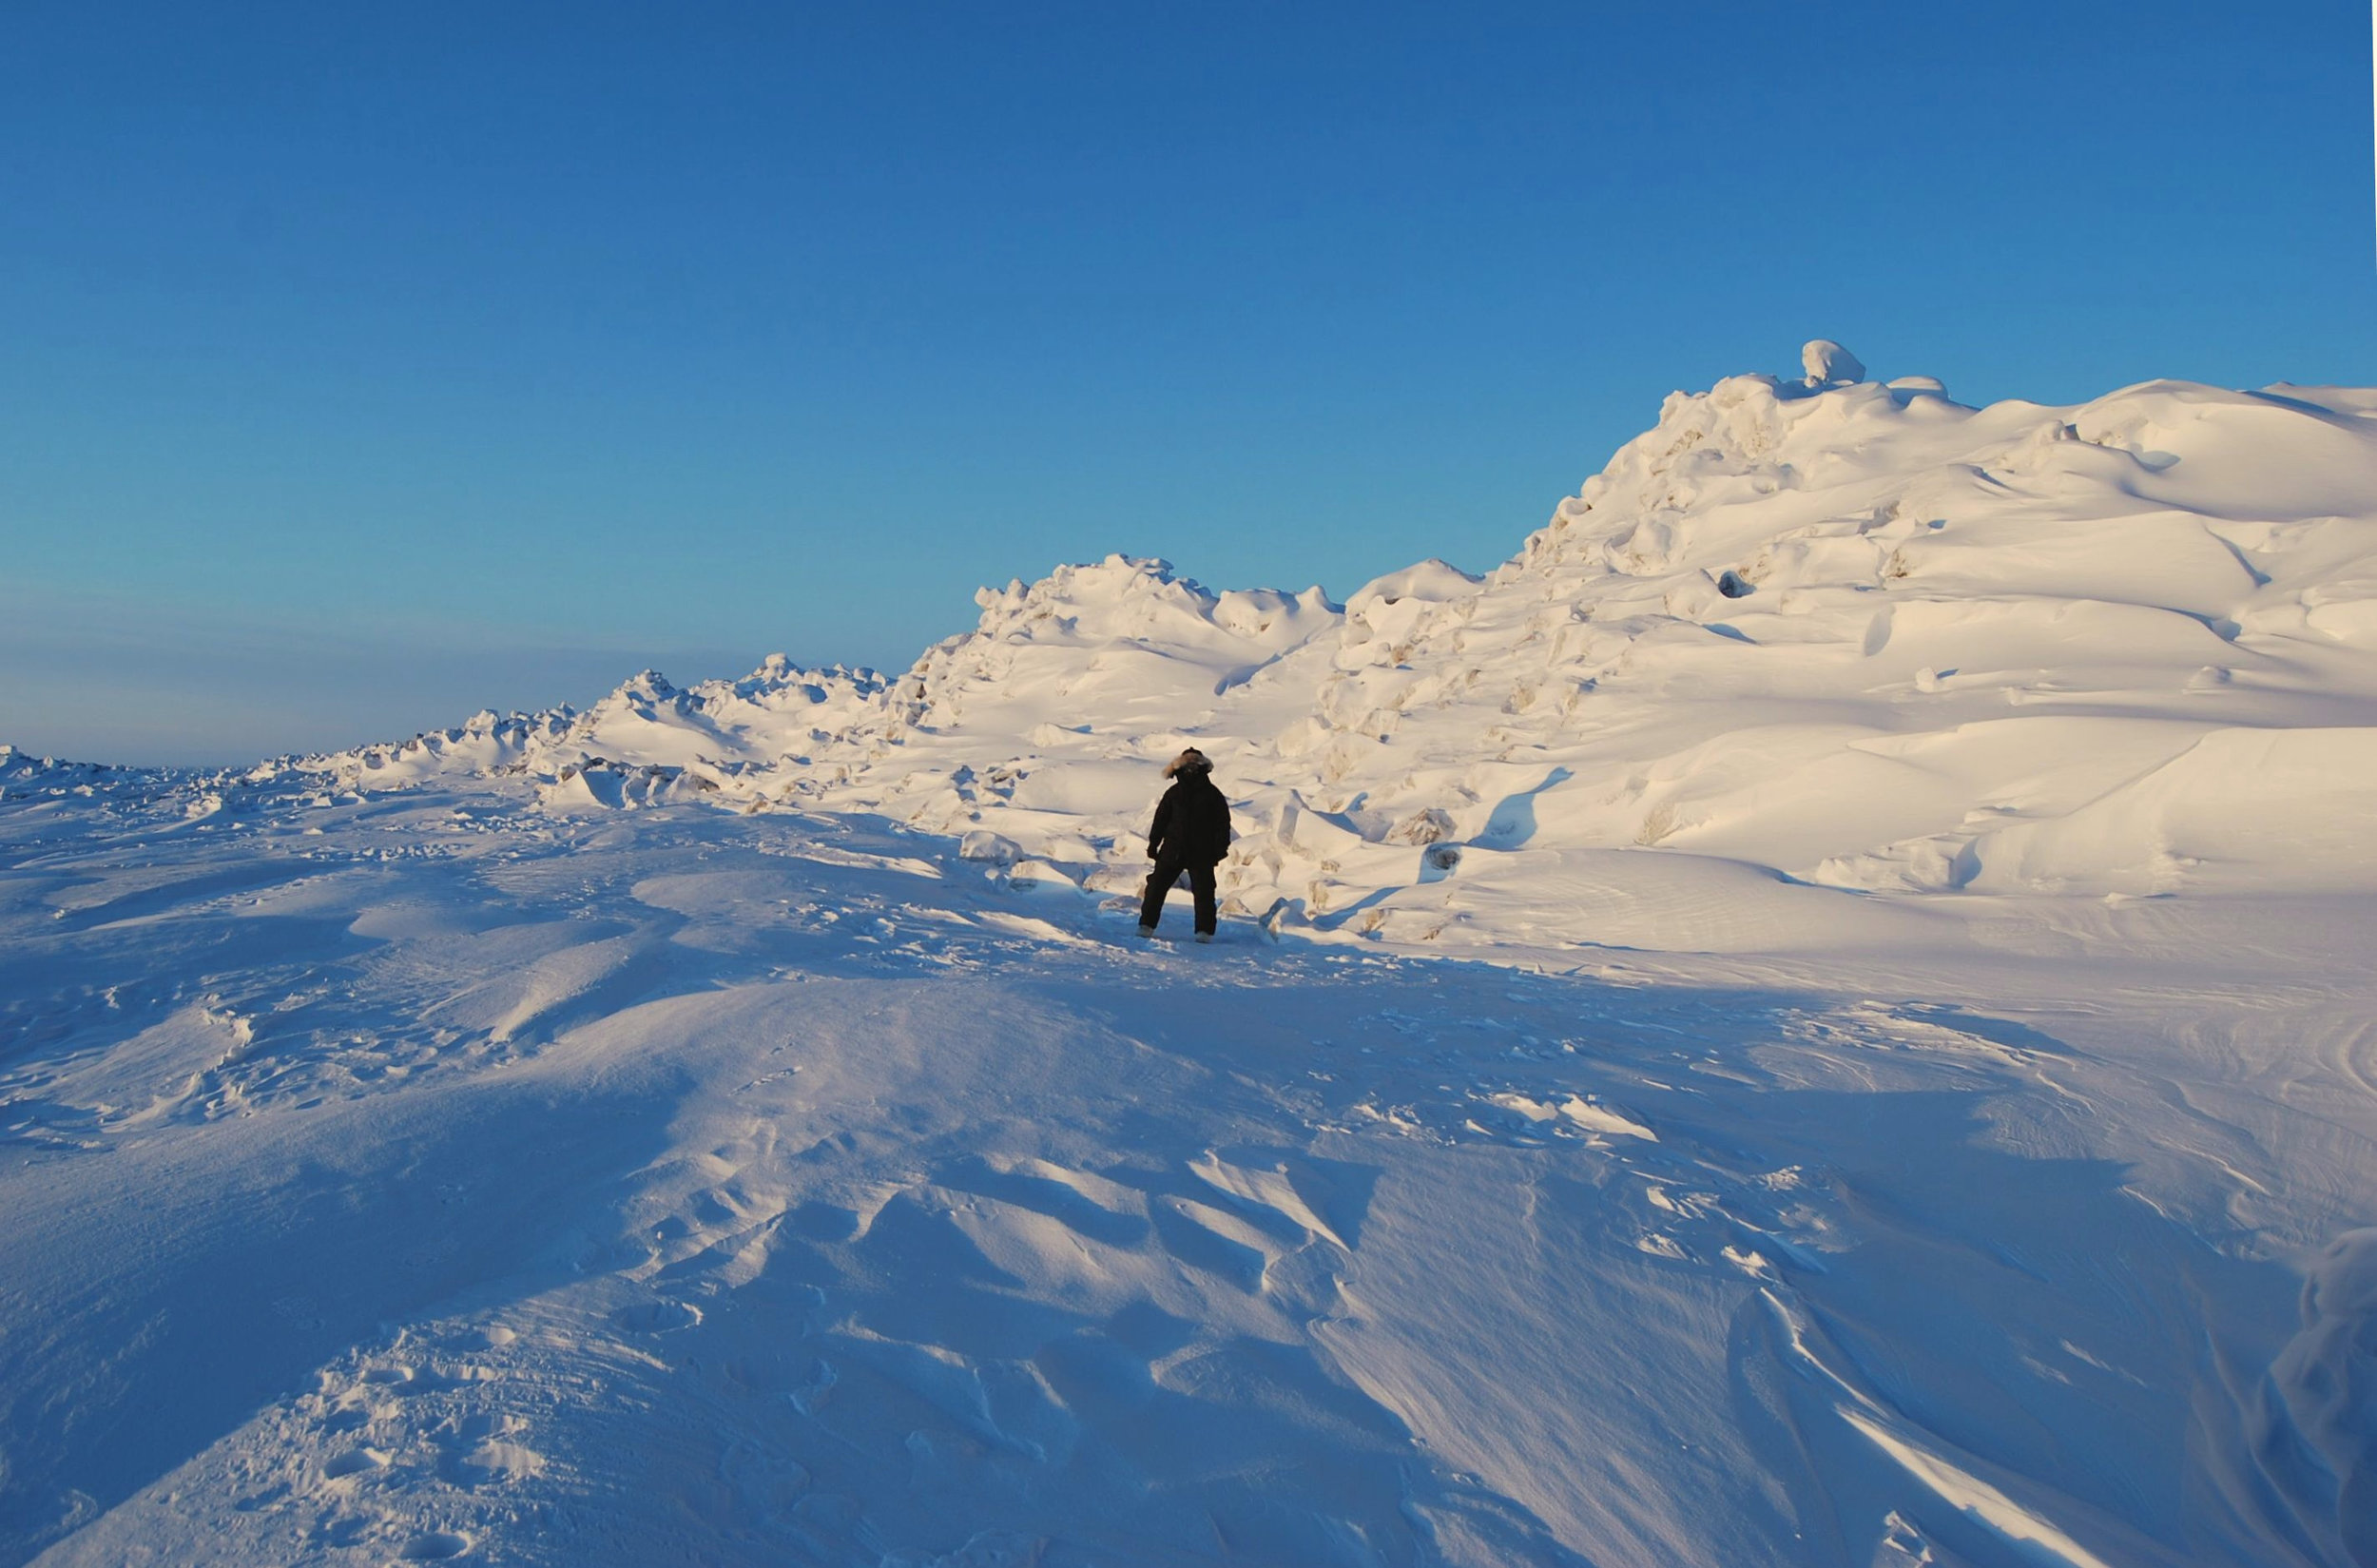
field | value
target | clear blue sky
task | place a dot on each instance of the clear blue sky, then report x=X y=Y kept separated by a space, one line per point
x=364 y=366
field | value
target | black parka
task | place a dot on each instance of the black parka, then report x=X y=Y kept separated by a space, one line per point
x=1191 y=821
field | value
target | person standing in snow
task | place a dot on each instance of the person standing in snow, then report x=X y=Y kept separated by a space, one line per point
x=1191 y=834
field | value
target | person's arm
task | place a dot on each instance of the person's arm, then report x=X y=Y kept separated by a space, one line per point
x=1163 y=820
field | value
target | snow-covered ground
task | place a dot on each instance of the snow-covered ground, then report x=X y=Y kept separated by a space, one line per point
x=1821 y=1014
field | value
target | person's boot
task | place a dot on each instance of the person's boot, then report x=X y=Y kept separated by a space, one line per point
x=1204 y=935
x=1146 y=931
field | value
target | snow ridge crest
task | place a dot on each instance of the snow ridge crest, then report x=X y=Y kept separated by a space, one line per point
x=1846 y=629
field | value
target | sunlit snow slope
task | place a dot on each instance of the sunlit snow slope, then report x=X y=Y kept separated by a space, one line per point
x=1848 y=631
x=1821 y=1013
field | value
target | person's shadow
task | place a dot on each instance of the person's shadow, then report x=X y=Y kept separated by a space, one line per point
x=1513 y=821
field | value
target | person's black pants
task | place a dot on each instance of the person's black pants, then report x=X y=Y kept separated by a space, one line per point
x=1167 y=872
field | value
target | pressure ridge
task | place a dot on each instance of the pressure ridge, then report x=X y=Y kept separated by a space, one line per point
x=1824 y=634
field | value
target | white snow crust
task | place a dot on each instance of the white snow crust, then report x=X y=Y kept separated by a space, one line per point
x=1849 y=633
x=1819 y=1014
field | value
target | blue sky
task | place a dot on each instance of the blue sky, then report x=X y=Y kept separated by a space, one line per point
x=359 y=368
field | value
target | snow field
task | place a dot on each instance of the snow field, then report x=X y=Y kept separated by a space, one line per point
x=1818 y=1015
x=751 y=1188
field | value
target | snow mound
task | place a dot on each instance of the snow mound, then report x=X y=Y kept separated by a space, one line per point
x=1123 y=639
x=1863 y=635
x=24 y=774
x=1047 y=724
x=1853 y=633
x=1849 y=635
x=1828 y=364
x=705 y=733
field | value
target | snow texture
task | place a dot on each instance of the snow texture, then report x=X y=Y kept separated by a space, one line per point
x=1817 y=1014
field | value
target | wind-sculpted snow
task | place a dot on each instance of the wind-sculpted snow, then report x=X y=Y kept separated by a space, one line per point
x=1819 y=1015
x=1851 y=633
x=647 y=743
x=1848 y=631
x=431 y=1175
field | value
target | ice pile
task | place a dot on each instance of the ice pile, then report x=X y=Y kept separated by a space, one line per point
x=24 y=776
x=1806 y=634
x=1868 y=638
x=646 y=744
x=1802 y=634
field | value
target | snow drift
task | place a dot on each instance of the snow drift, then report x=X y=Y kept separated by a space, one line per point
x=1850 y=633
x=1914 y=1102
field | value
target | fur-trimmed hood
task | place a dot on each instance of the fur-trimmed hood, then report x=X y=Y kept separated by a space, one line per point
x=1190 y=761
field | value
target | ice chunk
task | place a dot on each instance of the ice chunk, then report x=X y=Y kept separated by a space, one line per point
x=1828 y=364
x=987 y=846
